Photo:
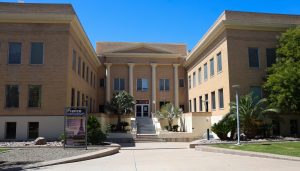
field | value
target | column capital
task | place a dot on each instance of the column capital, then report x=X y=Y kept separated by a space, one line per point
x=107 y=64
x=131 y=64
x=176 y=65
x=153 y=64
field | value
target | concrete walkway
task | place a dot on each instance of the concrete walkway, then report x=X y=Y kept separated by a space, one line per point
x=175 y=157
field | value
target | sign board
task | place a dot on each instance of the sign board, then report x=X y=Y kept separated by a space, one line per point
x=75 y=127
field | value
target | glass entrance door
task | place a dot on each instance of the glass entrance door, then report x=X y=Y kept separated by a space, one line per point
x=142 y=110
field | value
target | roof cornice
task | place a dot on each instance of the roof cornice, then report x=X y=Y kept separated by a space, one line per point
x=143 y=55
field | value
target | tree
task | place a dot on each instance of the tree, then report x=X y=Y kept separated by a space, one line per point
x=94 y=133
x=283 y=80
x=252 y=113
x=122 y=103
x=169 y=112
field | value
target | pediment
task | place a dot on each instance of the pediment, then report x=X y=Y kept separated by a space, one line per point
x=141 y=48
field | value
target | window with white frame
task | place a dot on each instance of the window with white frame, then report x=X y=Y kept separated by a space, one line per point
x=119 y=84
x=142 y=84
x=164 y=84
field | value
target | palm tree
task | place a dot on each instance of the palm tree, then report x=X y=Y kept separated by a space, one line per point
x=252 y=113
x=122 y=103
x=169 y=112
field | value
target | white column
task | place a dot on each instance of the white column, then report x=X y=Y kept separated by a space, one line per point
x=108 y=65
x=131 y=65
x=153 y=66
x=176 y=101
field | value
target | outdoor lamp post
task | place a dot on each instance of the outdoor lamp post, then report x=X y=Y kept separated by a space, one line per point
x=236 y=87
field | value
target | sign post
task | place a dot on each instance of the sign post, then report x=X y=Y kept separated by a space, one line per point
x=75 y=127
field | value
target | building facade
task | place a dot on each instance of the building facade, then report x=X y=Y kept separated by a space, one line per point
x=48 y=63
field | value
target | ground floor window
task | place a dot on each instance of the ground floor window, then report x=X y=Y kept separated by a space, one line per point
x=181 y=107
x=11 y=130
x=33 y=130
x=294 y=127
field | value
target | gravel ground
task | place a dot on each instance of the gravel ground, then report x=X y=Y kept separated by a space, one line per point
x=29 y=143
x=17 y=157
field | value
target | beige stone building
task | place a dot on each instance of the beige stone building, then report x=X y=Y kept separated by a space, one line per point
x=236 y=50
x=48 y=63
x=45 y=60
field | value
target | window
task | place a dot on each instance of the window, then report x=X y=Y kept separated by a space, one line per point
x=102 y=82
x=91 y=79
x=199 y=76
x=190 y=105
x=119 y=84
x=205 y=71
x=101 y=108
x=74 y=61
x=94 y=81
x=194 y=79
x=253 y=57
x=82 y=100
x=162 y=103
x=78 y=98
x=91 y=105
x=79 y=66
x=195 y=105
x=206 y=102
x=73 y=97
x=142 y=84
x=181 y=107
x=164 y=85
x=200 y=103
x=33 y=130
x=37 y=53
x=256 y=92
x=12 y=96
x=14 y=53
x=219 y=58
x=212 y=67
x=87 y=74
x=10 y=130
x=87 y=102
x=83 y=70
x=213 y=100
x=190 y=82
x=34 y=96
x=221 y=98
x=181 y=82
x=294 y=127
x=271 y=56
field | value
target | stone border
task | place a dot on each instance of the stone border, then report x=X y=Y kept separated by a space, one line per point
x=110 y=150
x=245 y=153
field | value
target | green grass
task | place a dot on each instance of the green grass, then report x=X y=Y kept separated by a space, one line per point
x=2 y=150
x=281 y=148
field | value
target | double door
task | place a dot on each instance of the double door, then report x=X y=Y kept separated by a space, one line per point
x=142 y=110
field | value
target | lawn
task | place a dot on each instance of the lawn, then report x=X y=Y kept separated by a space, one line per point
x=281 y=148
x=2 y=150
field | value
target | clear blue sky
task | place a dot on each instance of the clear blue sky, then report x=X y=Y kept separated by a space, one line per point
x=178 y=21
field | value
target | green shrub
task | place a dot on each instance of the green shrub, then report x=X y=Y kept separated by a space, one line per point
x=95 y=135
x=175 y=128
x=223 y=127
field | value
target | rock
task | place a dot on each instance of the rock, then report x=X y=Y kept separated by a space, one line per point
x=40 y=141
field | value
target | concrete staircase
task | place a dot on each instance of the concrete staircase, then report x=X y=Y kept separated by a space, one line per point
x=146 y=131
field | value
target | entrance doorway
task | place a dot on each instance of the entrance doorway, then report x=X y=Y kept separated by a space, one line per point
x=142 y=108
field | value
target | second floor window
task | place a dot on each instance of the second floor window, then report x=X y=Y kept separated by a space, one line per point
x=271 y=56
x=142 y=84
x=164 y=85
x=73 y=97
x=219 y=56
x=12 y=96
x=79 y=66
x=194 y=79
x=190 y=82
x=119 y=84
x=74 y=60
x=37 y=53
x=199 y=76
x=212 y=67
x=102 y=82
x=34 y=96
x=181 y=82
x=253 y=58
x=14 y=53
x=83 y=70
x=205 y=71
